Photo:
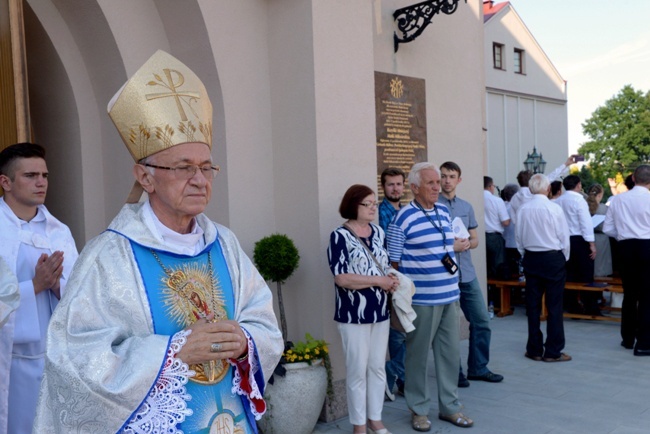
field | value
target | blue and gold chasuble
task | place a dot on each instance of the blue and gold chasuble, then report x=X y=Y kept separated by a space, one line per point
x=182 y=289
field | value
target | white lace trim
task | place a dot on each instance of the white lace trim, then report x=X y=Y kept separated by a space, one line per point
x=166 y=405
x=254 y=367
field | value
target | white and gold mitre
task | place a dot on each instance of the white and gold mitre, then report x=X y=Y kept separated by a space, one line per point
x=164 y=104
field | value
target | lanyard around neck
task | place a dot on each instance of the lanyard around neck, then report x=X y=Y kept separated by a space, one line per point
x=437 y=226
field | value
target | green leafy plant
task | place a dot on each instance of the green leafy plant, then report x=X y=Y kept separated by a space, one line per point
x=307 y=350
x=276 y=258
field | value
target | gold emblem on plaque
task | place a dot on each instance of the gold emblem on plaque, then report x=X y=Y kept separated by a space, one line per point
x=396 y=88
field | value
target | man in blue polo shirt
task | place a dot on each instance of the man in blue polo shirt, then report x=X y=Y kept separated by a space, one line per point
x=392 y=182
x=471 y=297
x=421 y=245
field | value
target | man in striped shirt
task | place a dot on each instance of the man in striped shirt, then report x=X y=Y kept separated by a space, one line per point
x=421 y=245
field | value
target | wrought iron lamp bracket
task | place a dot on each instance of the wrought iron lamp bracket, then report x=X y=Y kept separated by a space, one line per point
x=412 y=20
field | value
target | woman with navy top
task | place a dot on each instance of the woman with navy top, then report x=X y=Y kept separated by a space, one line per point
x=359 y=262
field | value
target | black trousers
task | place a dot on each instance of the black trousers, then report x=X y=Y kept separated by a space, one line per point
x=545 y=273
x=495 y=247
x=580 y=268
x=635 y=273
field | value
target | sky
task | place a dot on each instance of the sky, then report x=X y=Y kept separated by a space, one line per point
x=598 y=46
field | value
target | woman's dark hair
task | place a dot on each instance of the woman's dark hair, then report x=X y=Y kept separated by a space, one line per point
x=351 y=200
x=556 y=186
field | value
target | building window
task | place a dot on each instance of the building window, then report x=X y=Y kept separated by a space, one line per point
x=519 y=61
x=497 y=56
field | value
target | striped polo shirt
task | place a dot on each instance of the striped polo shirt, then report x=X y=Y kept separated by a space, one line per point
x=416 y=243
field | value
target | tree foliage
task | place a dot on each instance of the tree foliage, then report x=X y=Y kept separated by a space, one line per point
x=276 y=258
x=619 y=133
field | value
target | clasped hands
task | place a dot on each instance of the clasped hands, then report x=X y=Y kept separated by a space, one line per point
x=389 y=283
x=229 y=336
x=48 y=272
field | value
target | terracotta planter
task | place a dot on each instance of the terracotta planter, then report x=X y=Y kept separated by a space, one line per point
x=295 y=400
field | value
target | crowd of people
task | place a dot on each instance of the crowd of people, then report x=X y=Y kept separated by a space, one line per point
x=163 y=315
x=541 y=229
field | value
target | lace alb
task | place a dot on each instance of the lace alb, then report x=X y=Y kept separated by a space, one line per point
x=166 y=405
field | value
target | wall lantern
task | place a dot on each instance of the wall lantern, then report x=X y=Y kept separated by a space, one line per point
x=534 y=162
x=412 y=20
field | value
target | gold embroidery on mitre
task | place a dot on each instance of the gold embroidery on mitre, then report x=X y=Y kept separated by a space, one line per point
x=162 y=105
x=187 y=97
x=189 y=296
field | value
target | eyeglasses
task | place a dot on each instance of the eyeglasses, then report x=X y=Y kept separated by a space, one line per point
x=188 y=172
x=369 y=204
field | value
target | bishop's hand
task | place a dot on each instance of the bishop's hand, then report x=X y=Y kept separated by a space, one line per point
x=213 y=341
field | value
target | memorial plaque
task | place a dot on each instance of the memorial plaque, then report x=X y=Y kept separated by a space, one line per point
x=401 y=122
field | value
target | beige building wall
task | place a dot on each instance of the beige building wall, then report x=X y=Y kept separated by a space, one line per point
x=449 y=56
x=523 y=110
x=292 y=85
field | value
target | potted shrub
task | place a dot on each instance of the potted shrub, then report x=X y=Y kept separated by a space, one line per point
x=296 y=391
x=276 y=257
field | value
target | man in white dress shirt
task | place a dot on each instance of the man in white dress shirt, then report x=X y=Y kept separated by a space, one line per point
x=628 y=220
x=524 y=194
x=580 y=266
x=496 y=219
x=40 y=251
x=542 y=238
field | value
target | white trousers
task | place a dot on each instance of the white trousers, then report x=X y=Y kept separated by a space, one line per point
x=364 y=346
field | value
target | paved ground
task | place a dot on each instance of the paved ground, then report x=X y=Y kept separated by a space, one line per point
x=604 y=389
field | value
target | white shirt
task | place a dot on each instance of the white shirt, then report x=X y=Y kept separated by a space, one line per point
x=509 y=231
x=520 y=198
x=541 y=227
x=524 y=194
x=576 y=211
x=495 y=212
x=628 y=216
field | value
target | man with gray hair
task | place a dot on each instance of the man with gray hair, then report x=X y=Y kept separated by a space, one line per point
x=628 y=220
x=421 y=245
x=542 y=236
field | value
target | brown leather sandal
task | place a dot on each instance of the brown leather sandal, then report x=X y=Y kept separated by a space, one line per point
x=420 y=423
x=563 y=358
x=458 y=419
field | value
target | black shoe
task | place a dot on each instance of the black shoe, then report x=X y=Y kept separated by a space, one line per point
x=627 y=346
x=400 y=387
x=490 y=377
x=638 y=352
x=462 y=381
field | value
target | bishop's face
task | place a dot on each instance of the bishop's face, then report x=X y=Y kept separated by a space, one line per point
x=177 y=201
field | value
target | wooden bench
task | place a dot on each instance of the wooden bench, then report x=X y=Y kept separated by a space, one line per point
x=504 y=287
x=583 y=287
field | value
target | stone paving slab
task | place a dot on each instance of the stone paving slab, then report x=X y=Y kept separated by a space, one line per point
x=603 y=390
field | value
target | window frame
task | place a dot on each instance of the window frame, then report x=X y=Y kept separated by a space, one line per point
x=519 y=55
x=496 y=46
